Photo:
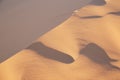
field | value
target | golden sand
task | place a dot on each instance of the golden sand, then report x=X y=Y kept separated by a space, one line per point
x=89 y=40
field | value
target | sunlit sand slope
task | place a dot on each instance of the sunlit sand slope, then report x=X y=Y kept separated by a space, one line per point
x=84 y=47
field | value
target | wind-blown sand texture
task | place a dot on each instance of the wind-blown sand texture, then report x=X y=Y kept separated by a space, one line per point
x=84 y=47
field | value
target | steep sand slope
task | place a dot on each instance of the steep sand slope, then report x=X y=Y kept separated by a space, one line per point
x=89 y=40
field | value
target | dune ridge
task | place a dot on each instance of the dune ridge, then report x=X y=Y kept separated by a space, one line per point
x=89 y=39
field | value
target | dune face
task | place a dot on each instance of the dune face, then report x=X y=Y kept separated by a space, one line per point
x=84 y=47
x=22 y=21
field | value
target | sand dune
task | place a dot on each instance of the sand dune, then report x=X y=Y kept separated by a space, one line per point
x=88 y=43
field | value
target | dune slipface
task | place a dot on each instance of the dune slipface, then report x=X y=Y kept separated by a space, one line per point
x=84 y=47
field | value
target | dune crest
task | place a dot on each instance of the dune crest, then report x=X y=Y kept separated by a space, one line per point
x=88 y=42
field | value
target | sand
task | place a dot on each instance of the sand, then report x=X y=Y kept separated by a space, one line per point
x=84 y=47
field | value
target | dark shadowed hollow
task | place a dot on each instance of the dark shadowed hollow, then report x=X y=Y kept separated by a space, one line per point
x=50 y=53
x=98 y=55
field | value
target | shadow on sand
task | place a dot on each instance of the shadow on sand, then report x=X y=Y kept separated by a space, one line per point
x=91 y=17
x=97 y=16
x=115 y=13
x=50 y=53
x=96 y=54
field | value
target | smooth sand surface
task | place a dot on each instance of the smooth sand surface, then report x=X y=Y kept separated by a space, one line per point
x=22 y=21
x=84 y=47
